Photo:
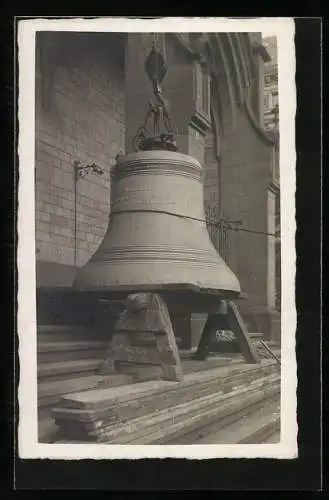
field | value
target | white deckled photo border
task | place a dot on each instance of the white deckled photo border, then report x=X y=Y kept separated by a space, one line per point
x=28 y=446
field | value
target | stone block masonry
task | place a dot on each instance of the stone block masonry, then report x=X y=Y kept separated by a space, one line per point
x=246 y=176
x=85 y=122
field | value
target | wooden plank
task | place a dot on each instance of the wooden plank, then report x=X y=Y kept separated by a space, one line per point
x=98 y=399
x=150 y=403
x=134 y=411
x=140 y=403
x=146 y=423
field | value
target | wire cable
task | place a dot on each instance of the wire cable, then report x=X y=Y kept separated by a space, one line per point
x=209 y=221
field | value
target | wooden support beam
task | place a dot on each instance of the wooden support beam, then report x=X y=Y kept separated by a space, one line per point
x=240 y=331
x=227 y=318
x=146 y=315
x=215 y=321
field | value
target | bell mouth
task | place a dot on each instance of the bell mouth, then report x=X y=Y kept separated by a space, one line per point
x=179 y=297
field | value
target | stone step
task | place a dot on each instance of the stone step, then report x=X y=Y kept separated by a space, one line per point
x=66 y=333
x=273 y=438
x=205 y=430
x=237 y=400
x=69 y=337
x=137 y=430
x=70 y=355
x=80 y=345
x=50 y=388
x=47 y=430
x=61 y=370
x=244 y=429
x=59 y=328
x=52 y=352
x=258 y=432
x=50 y=392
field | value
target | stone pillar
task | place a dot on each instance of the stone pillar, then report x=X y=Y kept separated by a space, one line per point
x=246 y=177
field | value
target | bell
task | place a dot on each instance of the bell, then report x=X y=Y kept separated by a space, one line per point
x=157 y=238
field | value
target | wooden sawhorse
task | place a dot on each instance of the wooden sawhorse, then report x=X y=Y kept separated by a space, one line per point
x=227 y=318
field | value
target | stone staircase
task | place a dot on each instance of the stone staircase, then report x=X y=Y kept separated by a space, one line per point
x=68 y=359
x=160 y=412
x=215 y=394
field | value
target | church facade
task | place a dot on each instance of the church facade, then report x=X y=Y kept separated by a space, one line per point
x=92 y=95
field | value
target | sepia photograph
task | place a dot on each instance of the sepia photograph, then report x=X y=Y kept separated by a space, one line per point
x=158 y=182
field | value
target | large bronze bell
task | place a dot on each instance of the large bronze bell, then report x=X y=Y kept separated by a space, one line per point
x=157 y=236
x=157 y=239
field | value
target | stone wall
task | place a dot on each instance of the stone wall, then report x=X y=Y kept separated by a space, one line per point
x=85 y=122
x=246 y=174
x=211 y=173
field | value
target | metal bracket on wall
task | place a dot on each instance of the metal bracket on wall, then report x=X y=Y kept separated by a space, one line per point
x=80 y=171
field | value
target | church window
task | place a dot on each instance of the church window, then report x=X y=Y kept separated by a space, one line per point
x=202 y=90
